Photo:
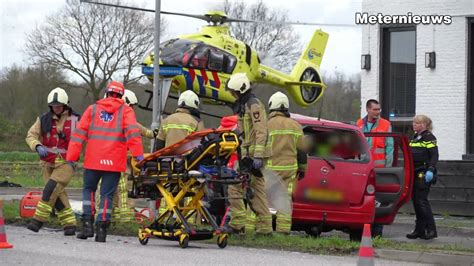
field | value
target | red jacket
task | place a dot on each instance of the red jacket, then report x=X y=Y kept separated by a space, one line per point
x=230 y=122
x=109 y=127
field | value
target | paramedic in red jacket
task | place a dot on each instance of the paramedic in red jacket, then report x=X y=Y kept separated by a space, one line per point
x=109 y=128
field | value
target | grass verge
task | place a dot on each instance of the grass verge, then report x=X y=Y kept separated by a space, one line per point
x=18 y=156
x=325 y=245
x=29 y=174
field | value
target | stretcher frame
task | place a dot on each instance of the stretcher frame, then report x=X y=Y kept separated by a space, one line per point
x=183 y=191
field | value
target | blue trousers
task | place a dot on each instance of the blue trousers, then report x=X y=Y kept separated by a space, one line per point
x=107 y=189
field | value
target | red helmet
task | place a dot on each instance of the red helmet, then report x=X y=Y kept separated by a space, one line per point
x=116 y=87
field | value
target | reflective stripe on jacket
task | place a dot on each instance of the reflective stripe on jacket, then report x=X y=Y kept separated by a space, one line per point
x=54 y=143
x=377 y=148
x=178 y=126
x=253 y=124
x=109 y=127
x=285 y=139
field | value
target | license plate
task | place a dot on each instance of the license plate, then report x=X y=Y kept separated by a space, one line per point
x=323 y=195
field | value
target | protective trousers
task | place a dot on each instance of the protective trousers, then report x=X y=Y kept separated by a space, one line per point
x=283 y=220
x=56 y=178
x=258 y=204
x=108 y=186
x=424 y=216
x=121 y=212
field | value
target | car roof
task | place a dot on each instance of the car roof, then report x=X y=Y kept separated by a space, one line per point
x=308 y=120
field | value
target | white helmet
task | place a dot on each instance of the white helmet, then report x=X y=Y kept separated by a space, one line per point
x=58 y=96
x=130 y=98
x=278 y=101
x=238 y=82
x=189 y=99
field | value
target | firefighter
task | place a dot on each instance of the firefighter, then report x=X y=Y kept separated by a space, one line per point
x=186 y=120
x=252 y=121
x=381 y=148
x=110 y=128
x=425 y=156
x=121 y=211
x=49 y=136
x=288 y=158
x=177 y=126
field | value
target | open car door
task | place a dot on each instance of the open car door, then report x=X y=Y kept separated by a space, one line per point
x=394 y=182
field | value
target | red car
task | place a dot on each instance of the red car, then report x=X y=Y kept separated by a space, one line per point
x=341 y=189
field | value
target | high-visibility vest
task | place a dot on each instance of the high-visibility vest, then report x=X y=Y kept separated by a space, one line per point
x=378 y=143
x=57 y=144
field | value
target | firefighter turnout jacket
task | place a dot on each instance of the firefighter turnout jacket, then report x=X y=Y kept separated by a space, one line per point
x=286 y=140
x=252 y=120
x=54 y=133
x=178 y=126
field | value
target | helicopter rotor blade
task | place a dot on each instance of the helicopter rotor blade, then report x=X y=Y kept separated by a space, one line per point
x=290 y=23
x=224 y=20
x=147 y=10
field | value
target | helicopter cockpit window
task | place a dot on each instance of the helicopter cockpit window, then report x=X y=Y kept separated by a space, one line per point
x=216 y=60
x=177 y=52
x=221 y=61
x=200 y=58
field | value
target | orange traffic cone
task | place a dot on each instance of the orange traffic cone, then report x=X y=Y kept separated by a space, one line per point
x=3 y=234
x=366 y=251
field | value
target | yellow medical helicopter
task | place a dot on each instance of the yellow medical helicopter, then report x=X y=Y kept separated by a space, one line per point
x=209 y=57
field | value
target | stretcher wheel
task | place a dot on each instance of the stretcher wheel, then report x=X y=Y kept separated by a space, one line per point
x=183 y=240
x=222 y=240
x=143 y=241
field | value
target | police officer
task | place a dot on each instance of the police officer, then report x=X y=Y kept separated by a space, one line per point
x=186 y=120
x=288 y=156
x=252 y=120
x=49 y=136
x=425 y=156
x=110 y=129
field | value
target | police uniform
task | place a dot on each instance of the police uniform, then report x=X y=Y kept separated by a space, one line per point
x=425 y=156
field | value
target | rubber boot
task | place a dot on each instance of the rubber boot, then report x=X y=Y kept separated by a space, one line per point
x=87 y=229
x=34 y=225
x=101 y=232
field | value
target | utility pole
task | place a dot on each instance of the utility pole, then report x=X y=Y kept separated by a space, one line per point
x=157 y=95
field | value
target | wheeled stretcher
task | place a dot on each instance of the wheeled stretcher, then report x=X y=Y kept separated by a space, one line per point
x=187 y=175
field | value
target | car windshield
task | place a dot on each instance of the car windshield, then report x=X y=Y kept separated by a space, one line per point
x=336 y=144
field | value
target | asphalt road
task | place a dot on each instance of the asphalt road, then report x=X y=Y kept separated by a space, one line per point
x=52 y=248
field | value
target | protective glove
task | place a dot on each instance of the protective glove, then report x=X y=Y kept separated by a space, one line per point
x=139 y=158
x=300 y=175
x=42 y=152
x=257 y=163
x=72 y=164
x=428 y=176
x=155 y=132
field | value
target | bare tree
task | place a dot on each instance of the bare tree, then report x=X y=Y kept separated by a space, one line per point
x=277 y=44
x=96 y=43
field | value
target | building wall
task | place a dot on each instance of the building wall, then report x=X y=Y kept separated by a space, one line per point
x=440 y=92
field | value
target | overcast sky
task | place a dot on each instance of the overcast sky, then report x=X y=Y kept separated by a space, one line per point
x=18 y=17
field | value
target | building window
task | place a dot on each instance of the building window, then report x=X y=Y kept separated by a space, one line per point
x=398 y=91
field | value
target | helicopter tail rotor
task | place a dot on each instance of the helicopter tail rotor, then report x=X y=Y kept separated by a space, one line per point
x=305 y=74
